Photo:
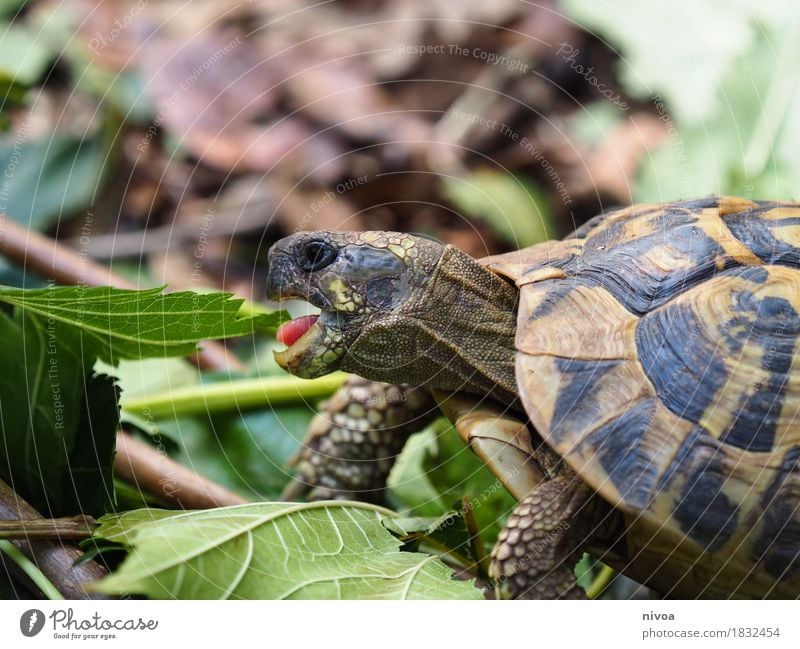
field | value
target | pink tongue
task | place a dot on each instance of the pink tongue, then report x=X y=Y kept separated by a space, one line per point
x=290 y=332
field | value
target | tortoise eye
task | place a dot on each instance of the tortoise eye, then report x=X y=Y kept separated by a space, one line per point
x=316 y=255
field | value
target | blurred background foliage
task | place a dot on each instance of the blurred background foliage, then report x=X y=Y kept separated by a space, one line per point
x=177 y=141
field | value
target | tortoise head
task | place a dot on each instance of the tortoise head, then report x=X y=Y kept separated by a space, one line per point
x=396 y=308
x=358 y=280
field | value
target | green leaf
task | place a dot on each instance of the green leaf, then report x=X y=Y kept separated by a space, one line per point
x=50 y=176
x=515 y=208
x=121 y=323
x=272 y=551
x=247 y=452
x=456 y=472
x=410 y=486
x=585 y=571
x=89 y=475
x=447 y=534
x=732 y=121
x=436 y=469
x=24 y=56
x=58 y=419
x=7 y=7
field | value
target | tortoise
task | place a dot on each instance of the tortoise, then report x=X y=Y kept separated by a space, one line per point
x=635 y=386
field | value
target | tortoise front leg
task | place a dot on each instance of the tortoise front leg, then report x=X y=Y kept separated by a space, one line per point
x=542 y=540
x=353 y=442
x=536 y=553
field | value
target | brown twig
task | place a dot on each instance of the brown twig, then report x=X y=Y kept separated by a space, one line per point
x=170 y=482
x=56 y=559
x=72 y=527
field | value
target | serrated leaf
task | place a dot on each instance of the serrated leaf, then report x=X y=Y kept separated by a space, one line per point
x=123 y=323
x=513 y=206
x=327 y=550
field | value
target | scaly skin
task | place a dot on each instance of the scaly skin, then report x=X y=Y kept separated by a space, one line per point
x=536 y=551
x=353 y=442
x=400 y=309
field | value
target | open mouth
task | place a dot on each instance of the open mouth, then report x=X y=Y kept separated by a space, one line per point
x=290 y=332
x=309 y=344
x=301 y=336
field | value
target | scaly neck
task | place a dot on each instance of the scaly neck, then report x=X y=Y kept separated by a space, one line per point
x=457 y=335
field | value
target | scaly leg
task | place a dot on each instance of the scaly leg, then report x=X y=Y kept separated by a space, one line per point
x=543 y=539
x=354 y=441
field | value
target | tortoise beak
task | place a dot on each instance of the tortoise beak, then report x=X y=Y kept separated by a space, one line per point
x=309 y=356
x=285 y=281
x=279 y=276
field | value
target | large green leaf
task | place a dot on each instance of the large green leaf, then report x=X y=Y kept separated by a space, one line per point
x=58 y=419
x=122 y=323
x=272 y=551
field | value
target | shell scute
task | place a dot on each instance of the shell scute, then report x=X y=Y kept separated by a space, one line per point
x=663 y=364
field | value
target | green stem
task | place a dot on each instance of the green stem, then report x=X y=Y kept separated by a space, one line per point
x=29 y=568
x=234 y=395
x=601 y=582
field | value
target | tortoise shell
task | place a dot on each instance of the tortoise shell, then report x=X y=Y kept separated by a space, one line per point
x=657 y=354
